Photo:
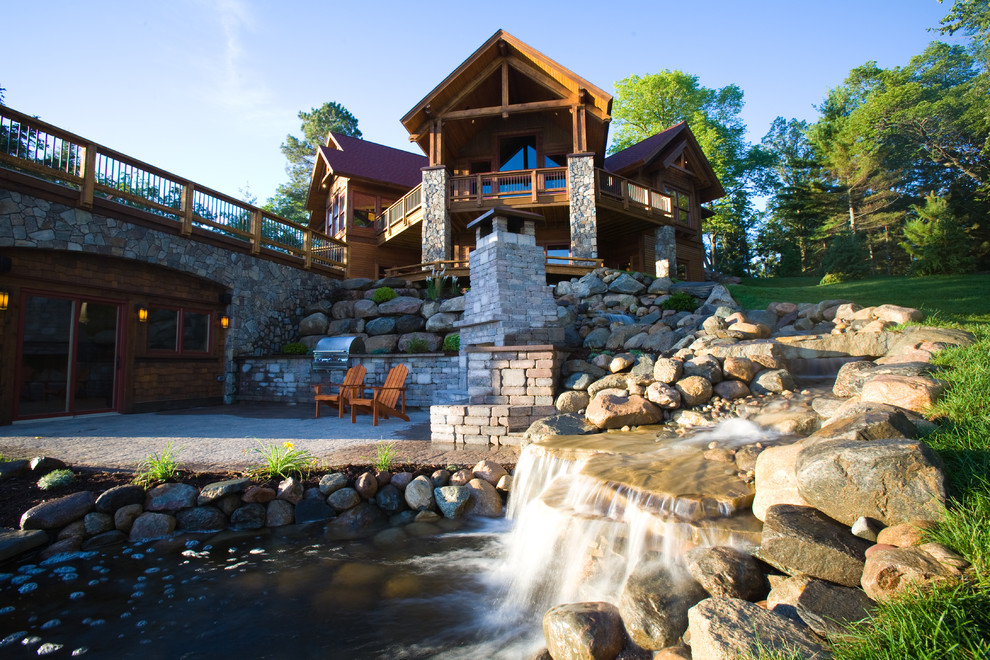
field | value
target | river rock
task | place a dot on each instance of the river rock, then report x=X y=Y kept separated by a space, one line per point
x=363 y=520
x=705 y=366
x=609 y=411
x=893 y=480
x=366 y=485
x=114 y=498
x=171 y=497
x=773 y=381
x=906 y=534
x=654 y=604
x=485 y=500
x=249 y=516
x=731 y=390
x=828 y=608
x=452 y=500
x=740 y=368
x=694 y=390
x=124 y=517
x=578 y=381
x=866 y=421
x=201 y=519
x=626 y=283
x=800 y=539
x=440 y=478
x=916 y=393
x=572 y=401
x=565 y=424
x=441 y=322
x=586 y=631
x=279 y=513
x=312 y=510
x=724 y=628
x=776 y=478
x=892 y=571
x=419 y=494
x=390 y=499
x=490 y=471
x=610 y=382
x=314 y=324
x=400 y=305
x=663 y=395
x=150 y=525
x=42 y=465
x=103 y=540
x=344 y=499
x=58 y=512
x=15 y=541
x=597 y=338
x=621 y=362
x=17 y=468
x=291 y=490
x=97 y=523
x=725 y=571
x=382 y=325
x=461 y=477
x=332 y=482
x=259 y=494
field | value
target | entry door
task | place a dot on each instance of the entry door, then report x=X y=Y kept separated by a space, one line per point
x=68 y=357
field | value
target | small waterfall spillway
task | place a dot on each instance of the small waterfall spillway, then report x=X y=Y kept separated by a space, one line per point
x=586 y=510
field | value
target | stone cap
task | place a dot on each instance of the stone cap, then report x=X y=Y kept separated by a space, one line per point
x=486 y=218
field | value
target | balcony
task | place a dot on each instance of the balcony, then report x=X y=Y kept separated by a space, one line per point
x=538 y=187
x=621 y=194
x=401 y=215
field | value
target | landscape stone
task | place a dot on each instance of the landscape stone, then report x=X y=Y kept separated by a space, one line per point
x=201 y=519
x=694 y=390
x=279 y=513
x=58 y=512
x=390 y=499
x=906 y=534
x=608 y=411
x=97 y=523
x=249 y=516
x=344 y=499
x=654 y=604
x=42 y=465
x=332 y=482
x=724 y=628
x=490 y=471
x=893 y=571
x=366 y=485
x=217 y=490
x=916 y=393
x=668 y=370
x=311 y=510
x=151 y=525
x=663 y=395
x=572 y=401
x=485 y=500
x=114 y=498
x=419 y=494
x=590 y=631
x=564 y=424
x=124 y=517
x=171 y=497
x=362 y=521
x=829 y=608
x=725 y=571
x=452 y=500
x=16 y=468
x=290 y=490
x=773 y=381
x=16 y=541
x=866 y=422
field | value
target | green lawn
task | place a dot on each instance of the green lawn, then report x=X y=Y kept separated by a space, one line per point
x=952 y=622
x=957 y=298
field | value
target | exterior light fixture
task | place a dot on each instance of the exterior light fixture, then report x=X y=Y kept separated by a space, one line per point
x=224 y=321
x=4 y=299
x=142 y=313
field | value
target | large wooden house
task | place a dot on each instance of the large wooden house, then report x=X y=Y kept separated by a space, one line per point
x=511 y=127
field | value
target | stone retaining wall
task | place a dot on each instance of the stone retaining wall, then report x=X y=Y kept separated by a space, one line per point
x=433 y=377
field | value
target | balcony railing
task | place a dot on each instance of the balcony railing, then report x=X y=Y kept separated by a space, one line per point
x=524 y=184
x=632 y=195
x=400 y=214
x=38 y=148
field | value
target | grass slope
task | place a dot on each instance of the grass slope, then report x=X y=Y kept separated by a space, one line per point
x=948 y=622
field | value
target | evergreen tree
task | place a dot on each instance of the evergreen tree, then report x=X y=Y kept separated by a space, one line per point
x=935 y=239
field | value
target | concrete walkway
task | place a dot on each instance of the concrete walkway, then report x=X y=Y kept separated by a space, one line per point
x=225 y=437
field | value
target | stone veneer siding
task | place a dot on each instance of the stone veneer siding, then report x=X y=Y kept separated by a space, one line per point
x=268 y=297
x=282 y=378
x=583 y=210
x=437 y=239
x=665 y=248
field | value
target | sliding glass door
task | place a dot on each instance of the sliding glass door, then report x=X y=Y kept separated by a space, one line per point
x=68 y=357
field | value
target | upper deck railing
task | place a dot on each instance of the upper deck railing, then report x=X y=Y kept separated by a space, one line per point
x=401 y=213
x=632 y=196
x=528 y=185
x=36 y=147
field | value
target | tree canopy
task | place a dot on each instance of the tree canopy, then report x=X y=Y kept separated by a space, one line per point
x=289 y=200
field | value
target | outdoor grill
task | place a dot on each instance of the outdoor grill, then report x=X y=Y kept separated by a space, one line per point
x=332 y=353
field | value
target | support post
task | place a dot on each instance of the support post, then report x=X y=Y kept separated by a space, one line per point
x=583 y=209
x=88 y=175
x=665 y=250
x=437 y=234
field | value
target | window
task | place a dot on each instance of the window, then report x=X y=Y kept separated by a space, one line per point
x=163 y=331
x=555 y=160
x=365 y=209
x=680 y=203
x=517 y=153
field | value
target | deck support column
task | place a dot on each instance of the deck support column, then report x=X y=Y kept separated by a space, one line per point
x=437 y=239
x=583 y=210
x=665 y=248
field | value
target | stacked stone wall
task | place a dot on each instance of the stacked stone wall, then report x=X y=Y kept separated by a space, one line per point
x=583 y=207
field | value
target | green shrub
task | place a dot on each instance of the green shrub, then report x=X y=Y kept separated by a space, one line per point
x=158 y=468
x=383 y=294
x=295 y=348
x=846 y=258
x=56 y=479
x=936 y=240
x=680 y=302
x=417 y=345
x=283 y=461
x=832 y=278
x=385 y=455
x=452 y=343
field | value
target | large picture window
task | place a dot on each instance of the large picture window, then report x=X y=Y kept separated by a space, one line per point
x=178 y=331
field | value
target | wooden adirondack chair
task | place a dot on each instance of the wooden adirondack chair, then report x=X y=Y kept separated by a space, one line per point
x=384 y=398
x=353 y=386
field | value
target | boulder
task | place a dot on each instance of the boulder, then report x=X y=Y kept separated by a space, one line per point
x=892 y=571
x=332 y=482
x=17 y=468
x=660 y=286
x=171 y=497
x=97 y=523
x=249 y=516
x=314 y=324
x=383 y=325
x=725 y=571
x=668 y=370
x=828 y=608
x=452 y=500
x=731 y=389
x=290 y=490
x=407 y=323
x=588 y=285
x=431 y=341
x=916 y=393
x=150 y=525
x=866 y=422
x=609 y=411
x=453 y=305
x=342 y=309
x=124 y=517
x=344 y=499
x=776 y=478
x=896 y=314
x=362 y=521
x=906 y=534
x=572 y=401
x=772 y=381
x=42 y=465
x=730 y=628
x=612 y=381
x=312 y=510
x=14 y=542
x=366 y=485
x=597 y=338
x=621 y=362
x=590 y=631
x=58 y=512
x=705 y=366
x=490 y=471
x=694 y=390
x=279 y=513
x=890 y=480
x=419 y=494
x=485 y=500
x=400 y=305
x=114 y=498
x=441 y=322
x=654 y=604
x=566 y=424
x=852 y=375
x=201 y=519
x=663 y=395
x=581 y=367
x=390 y=499
x=800 y=539
x=219 y=489
x=578 y=381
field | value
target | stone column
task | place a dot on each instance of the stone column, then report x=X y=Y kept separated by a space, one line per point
x=665 y=248
x=437 y=240
x=581 y=191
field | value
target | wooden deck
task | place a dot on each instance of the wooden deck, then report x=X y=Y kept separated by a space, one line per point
x=555 y=266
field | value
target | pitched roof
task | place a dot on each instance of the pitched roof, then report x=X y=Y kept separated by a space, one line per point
x=363 y=159
x=643 y=151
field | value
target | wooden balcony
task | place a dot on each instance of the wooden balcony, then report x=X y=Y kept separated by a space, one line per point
x=621 y=194
x=559 y=266
x=539 y=187
x=401 y=215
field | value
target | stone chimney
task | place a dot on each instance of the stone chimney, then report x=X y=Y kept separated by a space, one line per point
x=509 y=303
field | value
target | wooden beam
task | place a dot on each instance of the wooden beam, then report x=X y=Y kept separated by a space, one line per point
x=515 y=108
x=505 y=87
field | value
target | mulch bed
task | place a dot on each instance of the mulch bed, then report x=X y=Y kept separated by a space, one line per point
x=18 y=494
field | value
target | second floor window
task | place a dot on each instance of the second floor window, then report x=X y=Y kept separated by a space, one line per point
x=680 y=203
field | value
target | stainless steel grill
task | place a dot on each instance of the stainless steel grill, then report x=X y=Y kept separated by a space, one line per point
x=332 y=353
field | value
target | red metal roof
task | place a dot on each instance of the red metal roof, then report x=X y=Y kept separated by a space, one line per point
x=373 y=161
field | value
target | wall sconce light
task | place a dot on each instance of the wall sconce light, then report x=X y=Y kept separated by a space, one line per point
x=224 y=321
x=4 y=299
x=142 y=313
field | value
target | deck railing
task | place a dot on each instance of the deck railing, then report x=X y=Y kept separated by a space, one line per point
x=400 y=211
x=503 y=185
x=633 y=195
x=41 y=149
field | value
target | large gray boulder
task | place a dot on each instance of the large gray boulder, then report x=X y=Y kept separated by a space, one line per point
x=314 y=324
x=725 y=571
x=800 y=539
x=654 y=604
x=590 y=631
x=626 y=283
x=828 y=608
x=866 y=422
x=609 y=411
x=171 y=497
x=730 y=628
x=890 y=480
x=852 y=375
x=566 y=424
x=400 y=305
x=58 y=512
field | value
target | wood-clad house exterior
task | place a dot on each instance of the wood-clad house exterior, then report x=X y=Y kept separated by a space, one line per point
x=511 y=127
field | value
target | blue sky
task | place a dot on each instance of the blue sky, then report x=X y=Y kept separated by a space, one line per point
x=208 y=89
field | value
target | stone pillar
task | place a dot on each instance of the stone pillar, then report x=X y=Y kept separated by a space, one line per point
x=437 y=240
x=581 y=192
x=665 y=248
